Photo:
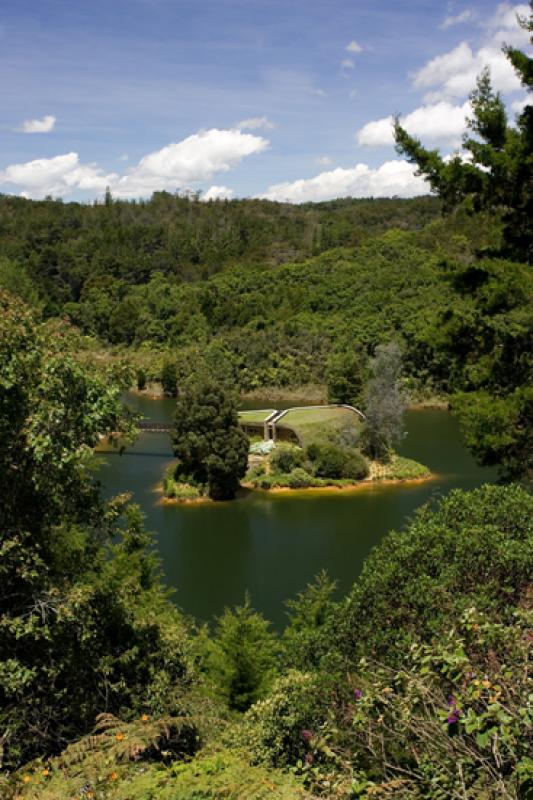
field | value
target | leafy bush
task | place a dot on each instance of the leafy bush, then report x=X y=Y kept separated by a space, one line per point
x=474 y=548
x=406 y=468
x=256 y=471
x=175 y=490
x=286 y=457
x=454 y=717
x=299 y=479
x=275 y=730
x=328 y=460
x=355 y=466
x=337 y=463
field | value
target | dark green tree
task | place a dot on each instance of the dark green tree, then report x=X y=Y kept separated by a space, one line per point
x=384 y=402
x=169 y=378
x=243 y=656
x=211 y=446
x=499 y=430
x=303 y=640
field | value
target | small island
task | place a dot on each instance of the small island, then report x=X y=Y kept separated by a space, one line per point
x=289 y=468
x=220 y=451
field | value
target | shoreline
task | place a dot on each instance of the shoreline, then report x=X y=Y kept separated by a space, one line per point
x=248 y=488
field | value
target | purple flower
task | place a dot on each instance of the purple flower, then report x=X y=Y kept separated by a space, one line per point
x=454 y=716
x=451 y=700
x=358 y=694
x=307 y=735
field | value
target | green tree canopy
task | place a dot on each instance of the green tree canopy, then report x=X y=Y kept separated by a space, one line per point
x=243 y=656
x=211 y=447
x=84 y=626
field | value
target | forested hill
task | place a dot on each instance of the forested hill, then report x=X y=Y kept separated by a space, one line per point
x=263 y=294
x=68 y=247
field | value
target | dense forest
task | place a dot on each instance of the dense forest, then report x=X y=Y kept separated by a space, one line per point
x=414 y=686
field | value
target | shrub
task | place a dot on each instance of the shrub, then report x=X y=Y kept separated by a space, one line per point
x=328 y=460
x=299 y=479
x=184 y=491
x=336 y=463
x=276 y=729
x=355 y=466
x=405 y=468
x=286 y=457
x=474 y=548
x=255 y=472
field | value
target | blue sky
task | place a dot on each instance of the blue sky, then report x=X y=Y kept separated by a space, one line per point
x=276 y=98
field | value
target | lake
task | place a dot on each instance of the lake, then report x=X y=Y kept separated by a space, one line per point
x=273 y=545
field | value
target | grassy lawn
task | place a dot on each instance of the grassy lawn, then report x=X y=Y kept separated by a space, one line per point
x=320 y=424
x=255 y=417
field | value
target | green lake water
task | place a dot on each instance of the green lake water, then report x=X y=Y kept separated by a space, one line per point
x=273 y=545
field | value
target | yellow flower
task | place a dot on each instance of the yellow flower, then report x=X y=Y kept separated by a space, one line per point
x=114 y=776
x=145 y=718
x=26 y=779
x=45 y=772
x=120 y=737
x=485 y=684
x=89 y=795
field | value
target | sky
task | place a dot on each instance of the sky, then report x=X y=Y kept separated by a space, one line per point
x=282 y=99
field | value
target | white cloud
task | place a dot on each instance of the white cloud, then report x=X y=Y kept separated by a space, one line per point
x=441 y=122
x=323 y=161
x=253 y=123
x=43 y=125
x=458 y=19
x=193 y=160
x=347 y=63
x=56 y=176
x=453 y=74
x=503 y=25
x=391 y=178
x=354 y=47
x=217 y=193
